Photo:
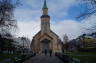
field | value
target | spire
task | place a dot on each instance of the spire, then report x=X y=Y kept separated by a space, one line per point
x=45 y=5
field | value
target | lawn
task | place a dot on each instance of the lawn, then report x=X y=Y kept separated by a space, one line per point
x=85 y=57
x=6 y=56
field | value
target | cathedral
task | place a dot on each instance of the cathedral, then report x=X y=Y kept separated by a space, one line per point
x=45 y=39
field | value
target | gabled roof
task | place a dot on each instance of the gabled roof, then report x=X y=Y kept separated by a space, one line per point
x=37 y=34
x=45 y=35
x=54 y=33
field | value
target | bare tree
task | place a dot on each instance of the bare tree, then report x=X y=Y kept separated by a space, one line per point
x=7 y=23
x=90 y=8
x=26 y=44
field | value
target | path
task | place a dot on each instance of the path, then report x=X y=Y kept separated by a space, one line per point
x=44 y=59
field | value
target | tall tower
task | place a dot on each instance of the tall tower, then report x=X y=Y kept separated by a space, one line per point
x=45 y=19
x=45 y=39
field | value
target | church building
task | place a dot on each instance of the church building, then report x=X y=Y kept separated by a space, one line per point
x=45 y=39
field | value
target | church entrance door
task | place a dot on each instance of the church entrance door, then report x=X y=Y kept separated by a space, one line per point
x=45 y=45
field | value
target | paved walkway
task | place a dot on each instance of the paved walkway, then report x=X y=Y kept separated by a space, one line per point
x=44 y=59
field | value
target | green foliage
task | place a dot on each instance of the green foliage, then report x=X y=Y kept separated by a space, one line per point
x=6 y=44
x=85 y=57
x=6 y=56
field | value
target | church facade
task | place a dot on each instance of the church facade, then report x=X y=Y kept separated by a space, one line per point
x=45 y=39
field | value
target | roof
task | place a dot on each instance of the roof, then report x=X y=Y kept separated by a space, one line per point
x=45 y=35
x=45 y=5
x=45 y=16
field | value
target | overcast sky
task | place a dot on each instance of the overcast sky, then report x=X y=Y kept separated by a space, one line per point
x=63 y=17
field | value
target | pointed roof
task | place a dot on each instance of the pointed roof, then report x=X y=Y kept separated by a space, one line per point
x=45 y=5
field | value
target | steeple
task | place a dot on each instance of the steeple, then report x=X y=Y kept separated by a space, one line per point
x=45 y=19
x=45 y=5
x=45 y=8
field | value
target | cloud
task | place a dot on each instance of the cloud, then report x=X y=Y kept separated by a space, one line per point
x=69 y=27
x=32 y=9
x=26 y=15
x=59 y=9
x=28 y=18
x=51 y=3
x=89 y=24
x=28 y=28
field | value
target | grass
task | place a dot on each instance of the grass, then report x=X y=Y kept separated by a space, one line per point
x=6 y=56
x=85 y=57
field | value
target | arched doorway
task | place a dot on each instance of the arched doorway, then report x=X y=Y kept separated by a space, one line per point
x=45 y=45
